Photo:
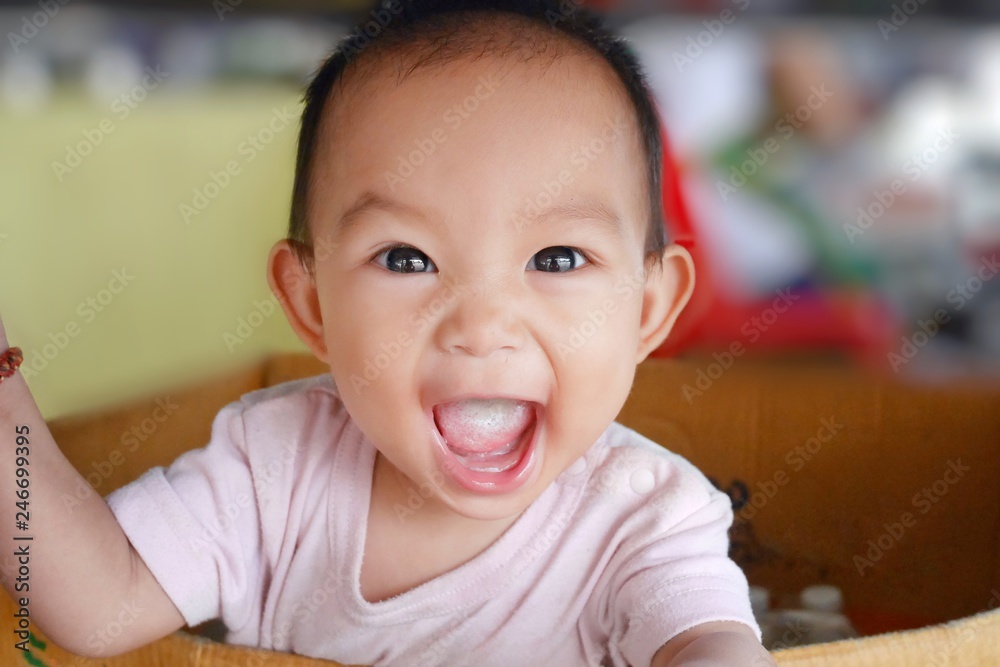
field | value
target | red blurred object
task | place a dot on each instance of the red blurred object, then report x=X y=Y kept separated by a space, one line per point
x=681 y=230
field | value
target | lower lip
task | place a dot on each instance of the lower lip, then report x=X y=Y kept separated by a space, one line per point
x=504 y=481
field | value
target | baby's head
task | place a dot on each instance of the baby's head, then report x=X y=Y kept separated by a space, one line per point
x=477 y=213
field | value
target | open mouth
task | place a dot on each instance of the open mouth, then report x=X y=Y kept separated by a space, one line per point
x=495 y=462
x=499 y=459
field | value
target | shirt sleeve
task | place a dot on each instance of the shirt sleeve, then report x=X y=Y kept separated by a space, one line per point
x=196 y=524
x=677 y=576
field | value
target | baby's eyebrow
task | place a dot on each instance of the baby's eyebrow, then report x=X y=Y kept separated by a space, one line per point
x=593 y=210
x=372 y=200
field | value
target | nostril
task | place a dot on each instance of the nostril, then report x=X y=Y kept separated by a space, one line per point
x=479 y=327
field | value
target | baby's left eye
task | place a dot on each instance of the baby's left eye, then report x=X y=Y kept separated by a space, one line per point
x=557 y=259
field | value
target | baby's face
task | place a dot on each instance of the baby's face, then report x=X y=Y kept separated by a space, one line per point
x=485 y=297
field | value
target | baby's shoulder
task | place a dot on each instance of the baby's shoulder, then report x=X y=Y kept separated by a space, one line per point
x=291 y=392
x=298 y=398
x=631 y=473
x=297 y=411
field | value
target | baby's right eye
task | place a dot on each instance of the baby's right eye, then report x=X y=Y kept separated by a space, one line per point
x=401 y=258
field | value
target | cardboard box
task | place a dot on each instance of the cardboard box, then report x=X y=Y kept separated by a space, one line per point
x=885 y=490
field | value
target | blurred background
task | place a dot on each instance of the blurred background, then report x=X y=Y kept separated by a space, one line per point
x=847 y=152
x=833 y=167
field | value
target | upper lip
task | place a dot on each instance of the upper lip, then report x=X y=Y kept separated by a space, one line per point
x=484 y=394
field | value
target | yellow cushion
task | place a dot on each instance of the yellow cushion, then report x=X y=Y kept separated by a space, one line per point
x=973 y=641
x=969 y=642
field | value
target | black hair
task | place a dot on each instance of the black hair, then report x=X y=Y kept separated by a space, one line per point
x=438 y=30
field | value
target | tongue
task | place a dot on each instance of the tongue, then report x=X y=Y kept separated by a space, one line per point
x=482 y=425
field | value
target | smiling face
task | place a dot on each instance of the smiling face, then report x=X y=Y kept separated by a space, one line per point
x=479 y=232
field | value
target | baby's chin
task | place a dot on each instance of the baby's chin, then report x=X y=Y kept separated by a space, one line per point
x=490 y=508
x=494 y=507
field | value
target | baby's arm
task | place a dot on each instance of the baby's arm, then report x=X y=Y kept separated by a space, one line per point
x=720 y=644
x=80 y=576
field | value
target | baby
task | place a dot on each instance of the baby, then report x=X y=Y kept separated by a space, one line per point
x=455 y=491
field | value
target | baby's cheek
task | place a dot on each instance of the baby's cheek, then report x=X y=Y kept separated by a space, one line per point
x=601 y=333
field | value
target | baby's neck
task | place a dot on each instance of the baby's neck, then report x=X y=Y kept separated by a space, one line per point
x=393 y=493
x=434 y=538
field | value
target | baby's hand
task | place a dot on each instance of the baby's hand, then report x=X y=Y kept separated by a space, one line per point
x=720 y=644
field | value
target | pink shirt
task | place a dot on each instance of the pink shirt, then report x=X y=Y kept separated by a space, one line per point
x=264 y=528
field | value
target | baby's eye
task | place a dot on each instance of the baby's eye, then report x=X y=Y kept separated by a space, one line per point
x=557 y=259
x=404 y=259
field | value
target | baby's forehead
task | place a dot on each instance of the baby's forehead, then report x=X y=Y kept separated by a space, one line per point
x=513 y=46
x=559 y=102
x=555 y=92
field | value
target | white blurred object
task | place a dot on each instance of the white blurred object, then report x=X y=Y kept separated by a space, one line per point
x=111 y=71
x=801 y=627
x=819 y=622
x=983 y=105
x=25 y=82
x=978 y=185
x=925 y=134
x=977 y=198
x=191 y=55
x=318 y=42
x=822 y=597
x=754 y=249
x=760 y=600
x=717 y=97
x=276 y=47
x=712 y=92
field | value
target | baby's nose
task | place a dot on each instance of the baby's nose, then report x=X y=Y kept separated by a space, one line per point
x=482 y=319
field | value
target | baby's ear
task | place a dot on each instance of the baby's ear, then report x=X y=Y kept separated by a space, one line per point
x=295 y=288
x=667 y=291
